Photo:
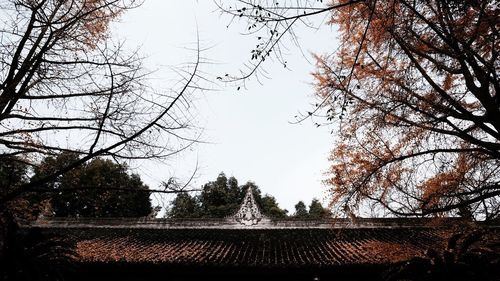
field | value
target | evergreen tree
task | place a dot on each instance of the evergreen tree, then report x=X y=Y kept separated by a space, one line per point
x=301 y=210
x=216 y=200
x=270 y=207
x=184 y=206
x=100 y=188
x=236 y=192
x=13 y=172
x=316 y=210
x=222 y=198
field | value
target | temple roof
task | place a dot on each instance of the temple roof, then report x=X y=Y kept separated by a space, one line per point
x=275 y=243
x=250 y=239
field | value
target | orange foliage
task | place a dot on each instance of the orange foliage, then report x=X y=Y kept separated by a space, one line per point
x=92 y=17
x=441 y=184
x=418 y=130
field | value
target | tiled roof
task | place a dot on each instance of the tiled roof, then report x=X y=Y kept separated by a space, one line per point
x=160 y=242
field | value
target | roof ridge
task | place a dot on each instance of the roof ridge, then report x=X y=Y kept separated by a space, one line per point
x=263 y=223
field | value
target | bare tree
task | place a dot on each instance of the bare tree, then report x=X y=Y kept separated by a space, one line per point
x=273 y=23
x=65 y=86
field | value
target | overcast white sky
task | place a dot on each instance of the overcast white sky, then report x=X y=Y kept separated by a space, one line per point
x=248 y=131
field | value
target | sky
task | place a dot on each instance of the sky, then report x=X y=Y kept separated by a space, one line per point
x=246 y=133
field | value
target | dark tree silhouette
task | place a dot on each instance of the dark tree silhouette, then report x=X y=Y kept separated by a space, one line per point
x=270 y=207
x=301 y=210
x=184 y=206
x=222 y=198
x=99 y=188
x=316 y=210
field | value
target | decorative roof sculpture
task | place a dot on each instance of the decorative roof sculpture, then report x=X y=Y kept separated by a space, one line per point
x=249 y=213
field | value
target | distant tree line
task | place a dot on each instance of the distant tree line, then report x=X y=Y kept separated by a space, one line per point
x=316 y=210
x=222 y=198
x=103 y=188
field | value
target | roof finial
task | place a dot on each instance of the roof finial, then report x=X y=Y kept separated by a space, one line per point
x=249 y=213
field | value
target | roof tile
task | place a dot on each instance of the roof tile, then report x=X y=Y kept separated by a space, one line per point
x=279 y=247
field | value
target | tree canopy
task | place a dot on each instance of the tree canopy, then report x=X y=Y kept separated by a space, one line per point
x=300 y=210
x=421 y=104
x=413 y=93
x=184 y=206
x=316 y=211
x=100 y=188
x=14 y=173
x=222 y=198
